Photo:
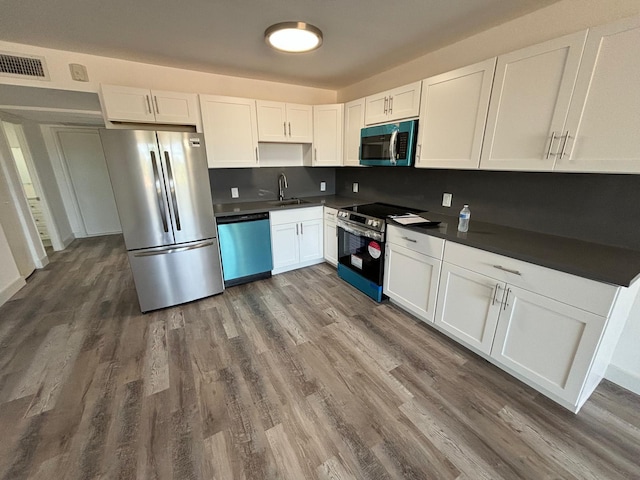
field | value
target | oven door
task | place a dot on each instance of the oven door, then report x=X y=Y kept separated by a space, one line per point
x=361 y=250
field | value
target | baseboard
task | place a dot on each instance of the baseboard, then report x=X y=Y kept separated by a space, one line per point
x=11 y=289
x=42 y=262
x=625 y=379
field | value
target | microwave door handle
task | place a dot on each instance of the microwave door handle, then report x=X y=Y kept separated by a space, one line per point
x=392 y=147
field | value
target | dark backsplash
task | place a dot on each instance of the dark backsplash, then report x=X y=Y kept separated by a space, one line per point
x=593 y=207
x=262 y=183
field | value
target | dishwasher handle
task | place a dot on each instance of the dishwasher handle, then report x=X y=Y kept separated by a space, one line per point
x=250 y=217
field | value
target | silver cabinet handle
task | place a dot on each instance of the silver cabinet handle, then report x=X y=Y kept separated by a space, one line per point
x=159 y=195
x=301 y=230
x=386 y=100
x=495 y=294
x=148 y=103
x=164 y=250
x=256 y=154
x=315 y=151
x=297 y=229
x=155 y=100
x=418 y=151
x=289 y=128
x=506 y=299
x=390 y=105
x=409 y=239
x=553 y=137
x=172 y=187
x=284 y=127
x=500 y=267
x=564 y=145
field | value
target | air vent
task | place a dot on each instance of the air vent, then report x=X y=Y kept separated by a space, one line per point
x=23 y=66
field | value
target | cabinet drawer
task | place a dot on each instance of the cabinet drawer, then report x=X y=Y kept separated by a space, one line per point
x=330 y=213
x=580 y=292
x=418 y=242
x=295 y=215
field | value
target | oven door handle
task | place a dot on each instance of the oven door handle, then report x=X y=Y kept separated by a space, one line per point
x=364 y=232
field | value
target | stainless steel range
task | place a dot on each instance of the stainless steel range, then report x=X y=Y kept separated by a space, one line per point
x=361 y=243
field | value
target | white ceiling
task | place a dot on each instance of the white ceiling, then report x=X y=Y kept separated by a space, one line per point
x=361 y=37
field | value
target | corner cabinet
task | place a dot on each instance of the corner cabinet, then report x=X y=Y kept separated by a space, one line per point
x=412 y=269
x=328 y=127
x=284 y=122
x=330 y=236
x=397 y=104
x=353 y=123
x=230 y=130
x=139 y=105
x=296 y=238
x=602 y=129
x=453 y=116
x=552 y=330
x=529 y=103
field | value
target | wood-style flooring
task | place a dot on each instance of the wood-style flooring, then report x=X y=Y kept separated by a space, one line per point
x=295 y=377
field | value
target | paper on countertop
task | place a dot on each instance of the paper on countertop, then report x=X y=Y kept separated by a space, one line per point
x=409 y=219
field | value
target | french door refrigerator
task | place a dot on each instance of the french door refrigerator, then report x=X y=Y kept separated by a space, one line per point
x=161 y=185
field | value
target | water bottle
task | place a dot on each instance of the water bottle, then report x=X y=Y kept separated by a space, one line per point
x=463 y=220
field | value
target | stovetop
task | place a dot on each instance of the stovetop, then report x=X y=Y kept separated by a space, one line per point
x=372 y=215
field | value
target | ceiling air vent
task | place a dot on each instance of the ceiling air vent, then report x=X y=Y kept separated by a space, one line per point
x=23 y=66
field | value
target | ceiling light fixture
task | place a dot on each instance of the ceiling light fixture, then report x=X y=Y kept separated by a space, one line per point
x=293 y=37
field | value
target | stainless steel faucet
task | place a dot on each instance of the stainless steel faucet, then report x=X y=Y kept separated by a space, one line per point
x=282 y=185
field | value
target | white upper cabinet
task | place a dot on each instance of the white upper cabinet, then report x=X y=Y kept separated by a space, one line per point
x=284 y=122
x=453 y=115
x=529 y=105
x=396 y=104
x=353 y=123
x=230 y=131
x=328 y=126
x=604 y=119
x=128 y=104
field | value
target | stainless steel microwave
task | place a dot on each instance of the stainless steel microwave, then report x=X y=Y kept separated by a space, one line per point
x=391 y=144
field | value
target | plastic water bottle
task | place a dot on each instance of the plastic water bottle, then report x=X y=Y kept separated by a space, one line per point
x=463 y=220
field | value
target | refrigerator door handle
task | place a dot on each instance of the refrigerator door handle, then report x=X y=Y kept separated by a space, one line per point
x=156 y=178
x=164 y=250
x=172 y=187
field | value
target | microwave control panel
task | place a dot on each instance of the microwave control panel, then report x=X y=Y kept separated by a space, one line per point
x=403 y=143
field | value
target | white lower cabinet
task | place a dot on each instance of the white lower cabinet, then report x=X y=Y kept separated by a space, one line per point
x=467 y=307
x=330 y=236
x=411 y=270
x=296 y=238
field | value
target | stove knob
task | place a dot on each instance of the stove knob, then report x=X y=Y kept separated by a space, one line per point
x=375 y=223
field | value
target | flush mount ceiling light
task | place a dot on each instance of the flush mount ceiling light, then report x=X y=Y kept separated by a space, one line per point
x=294 y=37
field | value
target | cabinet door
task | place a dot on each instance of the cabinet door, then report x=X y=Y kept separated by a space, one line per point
x=353 y=123
x=376 y=108
x=604 y=118
x=299 y=123
x=411 y=279
x=311 y=240
x=284 y=245
x=453 y=116
x=529 y=104
x=230 y=131
x=404 y=102
x=331 y=242
x=272 y=121
x=175 y=107
x=468 y=306
x=547 y=342
x=328 y=122
x=127 y=104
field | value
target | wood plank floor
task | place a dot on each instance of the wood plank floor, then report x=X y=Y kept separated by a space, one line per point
x=295 y=377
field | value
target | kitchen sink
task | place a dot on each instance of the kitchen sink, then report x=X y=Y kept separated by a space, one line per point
x=287 y=202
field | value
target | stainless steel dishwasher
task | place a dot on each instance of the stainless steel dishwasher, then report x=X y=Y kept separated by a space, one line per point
x=245 y=248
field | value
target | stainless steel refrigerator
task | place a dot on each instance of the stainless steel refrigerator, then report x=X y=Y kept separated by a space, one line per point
x=161 y=185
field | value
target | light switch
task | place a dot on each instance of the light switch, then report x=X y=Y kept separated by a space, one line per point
x=323 y=186
x=234 y=192
x=446 y=199
x=355 y=187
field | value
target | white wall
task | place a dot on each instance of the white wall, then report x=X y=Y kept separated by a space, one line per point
x=10 y=279
x=122 y=72
x=558 y=19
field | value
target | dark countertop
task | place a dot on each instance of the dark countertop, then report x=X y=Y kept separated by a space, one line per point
x=603 y=263
x=334 y=201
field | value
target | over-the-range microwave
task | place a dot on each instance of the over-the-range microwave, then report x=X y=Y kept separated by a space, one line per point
x=391 y=144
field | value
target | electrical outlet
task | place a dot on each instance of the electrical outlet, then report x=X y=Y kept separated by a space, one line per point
x=355 y=187
x=323 y=186
x=234 y=192
x=446 y=199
